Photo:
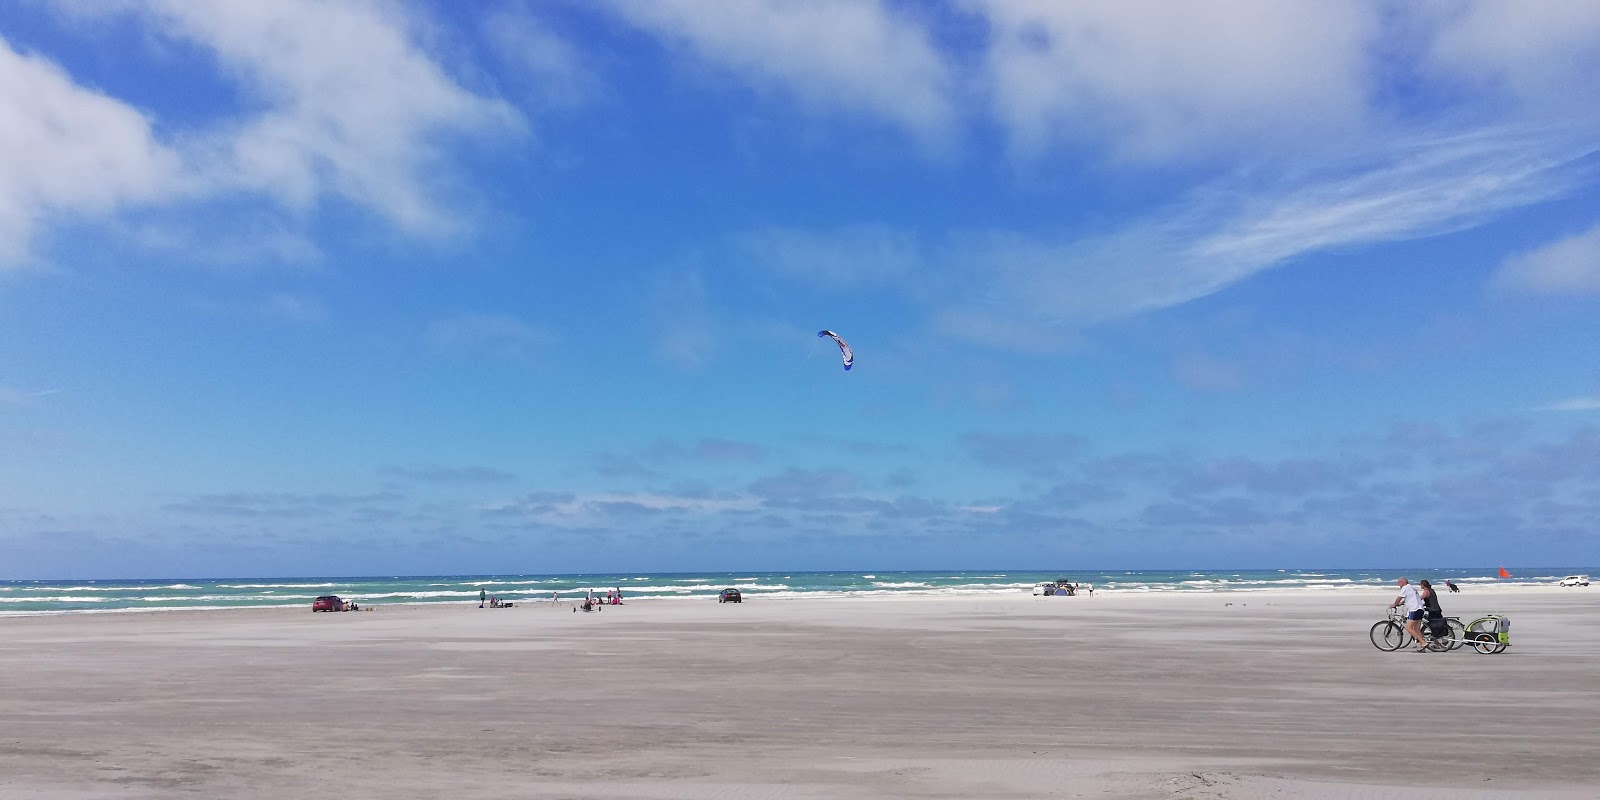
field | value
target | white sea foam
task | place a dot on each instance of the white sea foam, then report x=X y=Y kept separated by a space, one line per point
x=220 y=597
x=381 y=595
x=906 y=585
x=276 y=585
x=102 y=588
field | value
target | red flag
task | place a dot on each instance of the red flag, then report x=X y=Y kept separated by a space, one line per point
x=1503 y=573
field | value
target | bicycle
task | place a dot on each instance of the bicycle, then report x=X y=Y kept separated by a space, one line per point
x=1390 y=634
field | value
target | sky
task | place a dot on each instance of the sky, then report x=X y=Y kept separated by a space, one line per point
x=397 y=288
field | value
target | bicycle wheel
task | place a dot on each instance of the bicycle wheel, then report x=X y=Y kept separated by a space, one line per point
x=1387 y=636
x=1484 y=643
x=1458 y=632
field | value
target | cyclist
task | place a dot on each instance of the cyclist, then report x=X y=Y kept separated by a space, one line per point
x=1414 y=612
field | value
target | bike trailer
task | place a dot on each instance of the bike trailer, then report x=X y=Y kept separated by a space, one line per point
x=1490 y=633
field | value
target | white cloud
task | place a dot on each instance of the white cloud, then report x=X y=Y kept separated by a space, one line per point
x=1155 y=82
x=851 y=56
x=1566 y=266
x=354 y=107
x=1544 y=55
x=68 y=150
x=555 y=72
x=342 y=103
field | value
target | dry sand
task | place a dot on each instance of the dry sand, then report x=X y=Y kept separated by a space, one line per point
x=1159 y=696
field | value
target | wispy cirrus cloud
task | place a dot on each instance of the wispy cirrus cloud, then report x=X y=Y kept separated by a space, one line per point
x=552 y=70
x=845 y=258
x=498 y=334
x=1029 y=291
x=1208 y=374
x=688 y=331
x=1228 y=231
x=1574 y=404
x=281 y=504
x=12 y=396
x=589 y=510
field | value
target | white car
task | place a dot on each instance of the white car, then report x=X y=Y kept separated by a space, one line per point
x=1575 y=580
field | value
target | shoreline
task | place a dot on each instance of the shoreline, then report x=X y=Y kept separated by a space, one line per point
x=1469 y=590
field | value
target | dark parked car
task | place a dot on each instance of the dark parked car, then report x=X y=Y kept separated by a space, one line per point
x=730 y=596
x=329 y=602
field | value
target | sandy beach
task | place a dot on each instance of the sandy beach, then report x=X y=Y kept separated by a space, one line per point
x=1162 y=696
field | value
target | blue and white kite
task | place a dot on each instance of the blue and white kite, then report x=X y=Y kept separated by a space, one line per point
x=844 y=347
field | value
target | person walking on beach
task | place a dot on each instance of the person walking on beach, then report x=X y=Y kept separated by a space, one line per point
x=1435 y=614
x=1451 y=585
x=1414 y=611
x=483 y=595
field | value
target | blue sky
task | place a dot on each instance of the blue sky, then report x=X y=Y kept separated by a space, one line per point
x=405 y=288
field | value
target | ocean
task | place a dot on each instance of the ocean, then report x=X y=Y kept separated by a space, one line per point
x=92 y=596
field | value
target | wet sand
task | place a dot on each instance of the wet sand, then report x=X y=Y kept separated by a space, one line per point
x=1131 y=696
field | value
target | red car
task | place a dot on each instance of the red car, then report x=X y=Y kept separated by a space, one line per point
x=329 y=602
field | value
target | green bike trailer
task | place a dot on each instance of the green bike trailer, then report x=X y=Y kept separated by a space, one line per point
x=1490 y=633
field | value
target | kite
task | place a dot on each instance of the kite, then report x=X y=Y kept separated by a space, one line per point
x=844 y=347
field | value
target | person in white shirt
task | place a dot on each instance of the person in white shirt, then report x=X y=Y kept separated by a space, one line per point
x=1414 y=611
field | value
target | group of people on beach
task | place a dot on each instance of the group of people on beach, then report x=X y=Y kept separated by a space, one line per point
x=1421 y=602
x=590 y=602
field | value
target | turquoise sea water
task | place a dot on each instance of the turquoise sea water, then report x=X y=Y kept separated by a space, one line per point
x=76 y=596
